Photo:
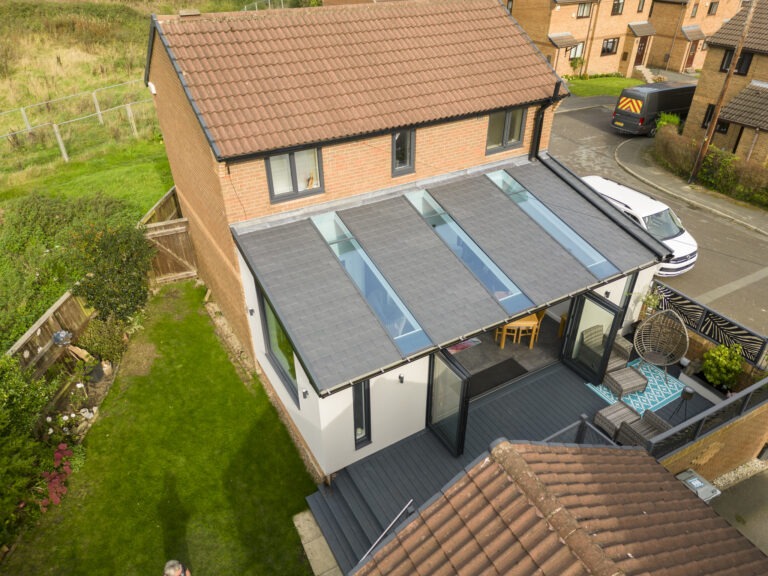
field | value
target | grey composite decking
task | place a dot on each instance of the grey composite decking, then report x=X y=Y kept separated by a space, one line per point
x=367 y=495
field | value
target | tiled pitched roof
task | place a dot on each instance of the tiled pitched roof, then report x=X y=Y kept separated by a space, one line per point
x=563 y=40
x=272 y=79
x=693 y=33
x=749 y=107
x=643 y=28
x=757 y=36
x=554 y=510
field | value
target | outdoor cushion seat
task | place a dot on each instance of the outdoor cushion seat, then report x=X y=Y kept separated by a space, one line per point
x=638 y=432
x=624 y=381
x=611 y=417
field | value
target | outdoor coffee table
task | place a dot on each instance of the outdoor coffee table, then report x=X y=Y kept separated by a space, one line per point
x=624 y=381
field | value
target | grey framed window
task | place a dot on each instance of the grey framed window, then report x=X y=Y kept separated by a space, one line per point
x=294 y=174
x=618 y=7
x=694 y=10
x=712 y=8
x=505 y=130
x=584 y=10
x=509 y=6
x=721 y=127
x=280 y=350
x=641 y=5
x=742 y=66
x=610 y=46
x=577 y=51
x=361 y=409
x=403 y=151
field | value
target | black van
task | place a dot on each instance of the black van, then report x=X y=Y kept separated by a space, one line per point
x=638 y=107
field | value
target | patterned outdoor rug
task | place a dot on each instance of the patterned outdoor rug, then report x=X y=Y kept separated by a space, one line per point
x=658 y=393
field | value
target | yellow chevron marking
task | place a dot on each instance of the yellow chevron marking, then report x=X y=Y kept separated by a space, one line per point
x=630 y=104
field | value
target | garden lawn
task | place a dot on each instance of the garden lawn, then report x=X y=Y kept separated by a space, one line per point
x=185 y=461
x=602 y=86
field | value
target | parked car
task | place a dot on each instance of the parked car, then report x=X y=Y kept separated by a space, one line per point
x=656 y=218
x=638 y=107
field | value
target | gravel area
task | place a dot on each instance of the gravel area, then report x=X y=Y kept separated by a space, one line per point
x=743 y=472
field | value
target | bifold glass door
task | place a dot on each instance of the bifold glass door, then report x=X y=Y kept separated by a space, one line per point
x=448 y=402
x=590 y=336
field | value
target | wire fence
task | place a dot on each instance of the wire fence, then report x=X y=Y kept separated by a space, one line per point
x=66 y=127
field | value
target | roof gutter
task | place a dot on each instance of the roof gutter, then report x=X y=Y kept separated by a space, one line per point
x=538 y=122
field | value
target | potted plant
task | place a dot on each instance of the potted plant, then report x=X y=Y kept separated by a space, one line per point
x=651 y=303
x=721 y=366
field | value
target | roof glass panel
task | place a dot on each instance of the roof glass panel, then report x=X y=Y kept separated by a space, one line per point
x=495 y=281
x=579 y=248
x=399 y=323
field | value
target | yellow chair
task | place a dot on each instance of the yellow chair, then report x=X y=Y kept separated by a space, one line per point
x=503 y=332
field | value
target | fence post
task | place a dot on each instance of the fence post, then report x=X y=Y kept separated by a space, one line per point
x=26 y=120
x=98 y=108
x=61 y=143
x=132 y=120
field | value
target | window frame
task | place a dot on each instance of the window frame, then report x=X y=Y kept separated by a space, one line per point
x=510 y=4
x=295 y=193
x=291 y=383
x=505 y=140
x=640 y=5
x=713 y=6
x=584 y=6
x=617 y=8
x=410 y=167
x=611 y=42
x=572 y=54
x=742 y=65
x=695 y=10
x=722 y=127
x=364 y=387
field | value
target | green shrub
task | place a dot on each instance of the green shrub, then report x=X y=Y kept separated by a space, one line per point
x=104 y=338
x=21 y=396
x=721 y=365
x=667 y=119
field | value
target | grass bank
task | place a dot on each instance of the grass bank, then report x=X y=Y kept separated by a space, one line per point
x=600 y=86
x=184 y=462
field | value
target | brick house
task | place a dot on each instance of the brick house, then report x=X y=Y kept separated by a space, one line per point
x=682 y=29
x=609 y=37
x=367 y=187
x=743 y=118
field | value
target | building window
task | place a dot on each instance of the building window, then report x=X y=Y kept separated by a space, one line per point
x=403 y=150
x=505 y=130
x=695 y=10
x=509 y=6
x=577 y=51
x=610 y=46
x=712 y=8
x=584 y=10
x=722 y=127
x=280 y=350
x=618 y=7
x=294 y=174
x=641 y=5
x=361 y=408
x=742 y=66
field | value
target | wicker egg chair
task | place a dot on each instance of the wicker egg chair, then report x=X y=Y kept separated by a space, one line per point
x=662 y=339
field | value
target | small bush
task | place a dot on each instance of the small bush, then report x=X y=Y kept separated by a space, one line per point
x=104 y=338
x=667 y=119
x=721 y=365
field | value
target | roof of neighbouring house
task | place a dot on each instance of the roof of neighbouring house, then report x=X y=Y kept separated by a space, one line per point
x=643 y=28
x=757 y=36
x=333 y=327
x=563 y=40
x=272 y=79
x=693 y=33
x=749 y=107
x=554 y=509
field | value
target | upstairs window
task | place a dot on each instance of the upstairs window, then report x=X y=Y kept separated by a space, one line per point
x=509 y=6
x=505 y=130
x=618 y=7
x=712 y=8
x=721 y=127
x=641 y=5
x=584 y=10
x=294 y=174
x=610 y=46
x=403 y=150
x=695 y=10
x=742 y=66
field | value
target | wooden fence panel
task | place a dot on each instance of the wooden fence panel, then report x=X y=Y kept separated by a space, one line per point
x=167 y=208
x=35 y=349
x=175 y=256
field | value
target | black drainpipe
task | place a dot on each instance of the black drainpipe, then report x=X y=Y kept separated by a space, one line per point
x=538 y=122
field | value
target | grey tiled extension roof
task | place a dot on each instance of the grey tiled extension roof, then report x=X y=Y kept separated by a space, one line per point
x=337 y=336
x=749 y=107
x=757 y=36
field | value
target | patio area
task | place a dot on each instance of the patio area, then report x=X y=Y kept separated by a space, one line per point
x=366 y=496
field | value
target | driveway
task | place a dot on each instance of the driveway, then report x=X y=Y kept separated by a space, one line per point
x=731 y=274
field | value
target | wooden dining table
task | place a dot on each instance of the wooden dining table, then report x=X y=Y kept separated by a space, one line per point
x=516 y=328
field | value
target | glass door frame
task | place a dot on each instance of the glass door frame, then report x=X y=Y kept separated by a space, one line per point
x=463 y=410
x=572 y=332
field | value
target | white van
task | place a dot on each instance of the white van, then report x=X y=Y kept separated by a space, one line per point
x=655 y=217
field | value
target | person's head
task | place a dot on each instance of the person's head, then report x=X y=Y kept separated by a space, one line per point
x=172 y=568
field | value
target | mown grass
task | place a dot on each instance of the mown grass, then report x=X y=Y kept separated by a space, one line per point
x=184 y=462
x=602 y=86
